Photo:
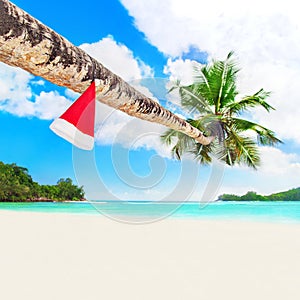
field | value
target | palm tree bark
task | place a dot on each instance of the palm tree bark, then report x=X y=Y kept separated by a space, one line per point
x=27 y=43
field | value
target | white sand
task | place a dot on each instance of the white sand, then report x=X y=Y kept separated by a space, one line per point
x=56 y=256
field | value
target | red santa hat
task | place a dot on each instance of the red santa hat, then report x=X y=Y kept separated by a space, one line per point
x=76 y=125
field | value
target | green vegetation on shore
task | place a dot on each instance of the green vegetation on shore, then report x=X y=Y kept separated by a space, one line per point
x=17 y=185
x=290 y=195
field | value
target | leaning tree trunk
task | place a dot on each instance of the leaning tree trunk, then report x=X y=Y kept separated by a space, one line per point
x=27 y=43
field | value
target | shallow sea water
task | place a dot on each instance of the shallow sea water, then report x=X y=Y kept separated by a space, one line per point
x=140 y=211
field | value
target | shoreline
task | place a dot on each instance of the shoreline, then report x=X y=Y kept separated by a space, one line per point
x=91 y=257
x=42 y=201
x=146 y=201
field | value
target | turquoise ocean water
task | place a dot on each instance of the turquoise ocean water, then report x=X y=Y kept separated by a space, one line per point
x=287 y=212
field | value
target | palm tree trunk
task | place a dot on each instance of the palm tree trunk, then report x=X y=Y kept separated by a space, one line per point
x=27 y=43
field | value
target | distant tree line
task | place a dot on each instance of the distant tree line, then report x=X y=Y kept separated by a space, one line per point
x=290 y=195
x=17 y=185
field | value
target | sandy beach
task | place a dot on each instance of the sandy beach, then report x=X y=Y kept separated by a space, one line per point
x=60 y=256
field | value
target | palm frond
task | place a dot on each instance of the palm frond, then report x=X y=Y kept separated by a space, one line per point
x=202 y=153
x=246 y=150
x=210 y=125
x=200 y=76
x=258 y=99
x=193 y=100
x=212 y=98
x=175 y=86
x=168 y=136
x=265 y=136
x=201 y=83
x=183 y=143
x=221 y=77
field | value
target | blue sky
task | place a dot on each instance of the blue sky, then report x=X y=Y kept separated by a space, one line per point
x=157 y=40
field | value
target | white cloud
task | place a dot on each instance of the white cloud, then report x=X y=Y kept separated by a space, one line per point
x=17 y=86
x=50 y=105
x=179 y=69
x=116 y=127
x=15 y=91
x=216 y=26
x=264 y=34
x=278 y=163
x=18 y=98
x=38 y=82
x=279 y=171
x=71 y=94
x=118 y=58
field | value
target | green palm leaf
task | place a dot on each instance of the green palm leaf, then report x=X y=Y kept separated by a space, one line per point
x=211 y=100
x=202 y=153
x=182 y=142
x=210 y=125
x=258 y=99
x=193 y=100
x=246 y=150
x=168 y=136
x=222 y=78
x=265 y=136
